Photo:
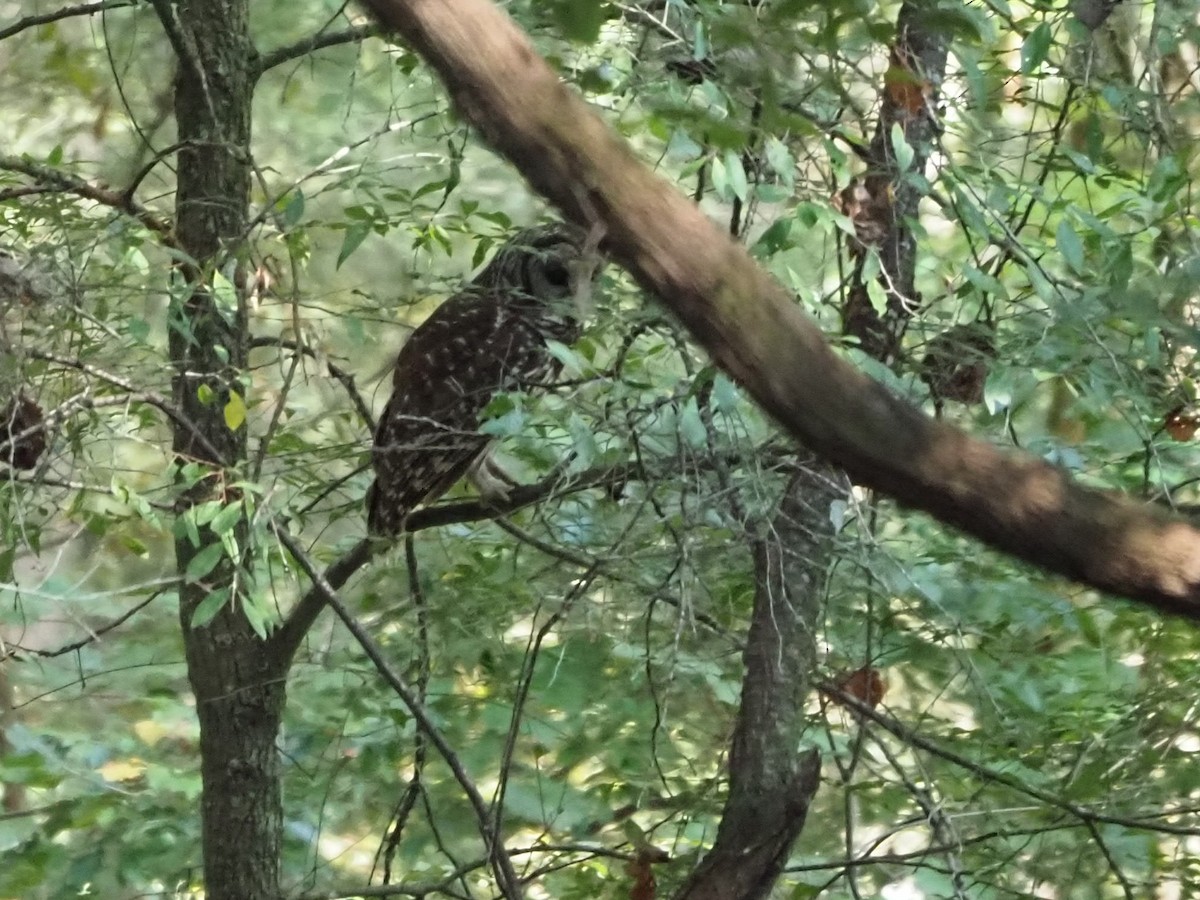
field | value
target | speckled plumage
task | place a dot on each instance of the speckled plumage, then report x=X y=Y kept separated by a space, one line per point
x=488 y=338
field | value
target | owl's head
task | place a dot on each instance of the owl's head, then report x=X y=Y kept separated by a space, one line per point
x=552 y=266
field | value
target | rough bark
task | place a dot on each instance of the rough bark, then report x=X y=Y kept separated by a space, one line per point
x=909 y=99
x=771 y=783
x=770 y=786
x=239 y=690
x=756 y=333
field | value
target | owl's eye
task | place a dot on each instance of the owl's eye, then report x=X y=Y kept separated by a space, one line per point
x=557 y=274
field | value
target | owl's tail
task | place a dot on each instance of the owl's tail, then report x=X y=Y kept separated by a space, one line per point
x=383 y=520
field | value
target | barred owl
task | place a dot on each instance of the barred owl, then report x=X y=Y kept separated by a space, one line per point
x=488 y=338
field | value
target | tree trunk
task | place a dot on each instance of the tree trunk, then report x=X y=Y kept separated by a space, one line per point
x=238 y=686
x=771 y=784
x=908 y=100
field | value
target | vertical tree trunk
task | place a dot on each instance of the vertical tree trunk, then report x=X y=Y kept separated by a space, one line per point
x=238 y=687
x=909 y=98
x=771 y=783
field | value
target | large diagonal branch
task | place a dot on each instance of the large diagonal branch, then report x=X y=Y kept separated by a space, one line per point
x=757 y=333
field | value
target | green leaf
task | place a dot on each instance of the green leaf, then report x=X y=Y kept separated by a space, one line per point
x=138 y=329
x=208 y=608
x=771 y=193
x=972 y=216
x=580 y=20
x=29 y=769
x=258 y=615
x=1082 y=162
x=1120 y=265
x=583 y=442
x=229 y=544
x=779 y=158
x=1040 y=284
x=293 y=208
x=737 y=175
x=135 y=546
x=225 y=294
x=877 y=295
x=355 y=235
x=900 y=147
x=227 y=518
x=187 y=525
x=691 y=426
x=726 y=396
x=573 y=364
x=1036 y=48
x=987 y=284
x=774 y=239
x=812 y=215
x=720 y=177
x=1070 y=246
x=1165 y=180
x=504 y=416
x=837 y=514
x=203 y=513
x=204 y=562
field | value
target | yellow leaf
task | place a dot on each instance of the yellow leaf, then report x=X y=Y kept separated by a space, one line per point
x=122 y=769
x=150 y=732
x=235 y=411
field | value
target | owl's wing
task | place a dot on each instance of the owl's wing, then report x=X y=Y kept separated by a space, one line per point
x=446 y=374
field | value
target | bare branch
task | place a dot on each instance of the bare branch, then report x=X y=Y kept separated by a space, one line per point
x=67 y=12
x=317 y=42
x=288 y=638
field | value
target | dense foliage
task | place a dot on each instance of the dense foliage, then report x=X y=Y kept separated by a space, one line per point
x=582 y=656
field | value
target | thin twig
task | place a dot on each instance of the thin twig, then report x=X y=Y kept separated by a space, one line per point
x=119 y=200
x=524 y=683
x=344 y=377
x=412 y=791
x=506 y=878
x=95 y=634
x=916 y=739
x=331 y=160
x=152 y=398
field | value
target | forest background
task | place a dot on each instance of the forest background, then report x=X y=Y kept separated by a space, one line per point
x=988 y=207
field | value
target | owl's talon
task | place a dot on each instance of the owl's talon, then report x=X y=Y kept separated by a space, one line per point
x=488 y=477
